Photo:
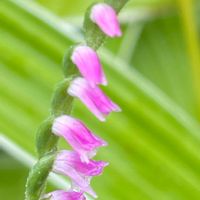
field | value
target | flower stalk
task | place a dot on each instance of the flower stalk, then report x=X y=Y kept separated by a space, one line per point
x=80 y=60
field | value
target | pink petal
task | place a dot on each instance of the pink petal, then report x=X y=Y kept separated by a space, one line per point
x=88 y=63
x=61 y=167
x=78 y=136
x=93 y=97
x=106 y=18
x=71 y=158
x=69 y=163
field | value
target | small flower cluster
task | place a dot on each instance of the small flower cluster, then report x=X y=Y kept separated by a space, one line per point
x=77 y=164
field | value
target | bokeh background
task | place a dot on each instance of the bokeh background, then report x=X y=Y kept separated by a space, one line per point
x=153 y=73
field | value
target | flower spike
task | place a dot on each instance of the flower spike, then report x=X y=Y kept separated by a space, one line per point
x=80 y=60
x=88 y=63
x=93 y=97
x=63 y=195
x=106 y=18
x=82 y=140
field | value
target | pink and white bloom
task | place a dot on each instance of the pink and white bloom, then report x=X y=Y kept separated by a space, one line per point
x=106 y=18
x=93 y=97
x=88 y=63
x=63 y=195
x=82 y=140
x=73 y=160
x=69 y=163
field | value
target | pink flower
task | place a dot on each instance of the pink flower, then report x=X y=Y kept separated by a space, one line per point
x=88 y=63
x=72 y=159
x=106 y=18
x=69 y=164
x=63 y=195
x=99 y=104
x=82 y=140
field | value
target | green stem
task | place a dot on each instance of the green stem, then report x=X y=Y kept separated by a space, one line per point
x=46 y=143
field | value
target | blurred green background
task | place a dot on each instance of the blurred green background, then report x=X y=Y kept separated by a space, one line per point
x=153 y=73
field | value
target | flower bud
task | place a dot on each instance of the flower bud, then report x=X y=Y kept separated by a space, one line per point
x=106 y=18
x=82 y=140
x=93 y=97
x=88 y=63
x=69 y=163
